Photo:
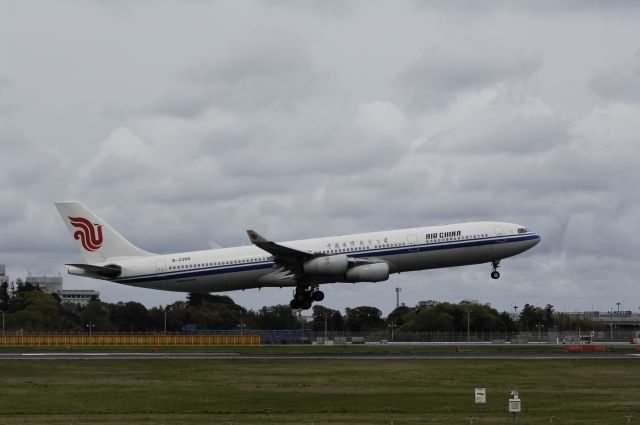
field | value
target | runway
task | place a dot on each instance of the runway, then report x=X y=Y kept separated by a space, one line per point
x=317 y=357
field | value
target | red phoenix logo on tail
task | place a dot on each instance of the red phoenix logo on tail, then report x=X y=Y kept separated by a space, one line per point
x=90 y=235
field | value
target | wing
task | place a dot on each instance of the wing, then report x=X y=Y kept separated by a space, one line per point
x=290 y=264
x=280 y=253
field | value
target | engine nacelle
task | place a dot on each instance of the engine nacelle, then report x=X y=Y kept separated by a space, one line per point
x=368 y=273
x=333 y=264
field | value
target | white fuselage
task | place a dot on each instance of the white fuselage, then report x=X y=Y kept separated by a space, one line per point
x=245 y=267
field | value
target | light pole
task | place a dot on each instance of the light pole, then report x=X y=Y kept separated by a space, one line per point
x=326 y=314
x=89 y=326
x=391 y=326
x=468 y=323
x=398 y=289
x=593 y=325
x=611 y=325
x=540 y=326
x=165 y=319
x=3 y=323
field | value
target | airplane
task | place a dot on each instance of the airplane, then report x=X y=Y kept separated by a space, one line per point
x=302 y=264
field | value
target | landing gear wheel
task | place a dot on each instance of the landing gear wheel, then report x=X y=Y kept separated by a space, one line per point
x=305 y=305
x=317 y=296
x=294 y=304
x=495 y=274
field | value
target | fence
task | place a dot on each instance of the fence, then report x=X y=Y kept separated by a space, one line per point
x=308 y=336
x=122 y=339
x=621 y=336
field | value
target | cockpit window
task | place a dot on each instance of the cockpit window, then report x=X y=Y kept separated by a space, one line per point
x=522 y=230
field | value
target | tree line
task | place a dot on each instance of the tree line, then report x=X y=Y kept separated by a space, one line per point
x=26 y=308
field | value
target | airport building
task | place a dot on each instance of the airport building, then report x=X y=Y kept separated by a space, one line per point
x=72 y=298
x=48 y=284
x=77 y=297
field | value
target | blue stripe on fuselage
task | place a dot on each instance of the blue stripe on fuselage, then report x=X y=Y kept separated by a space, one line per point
x=378 y=252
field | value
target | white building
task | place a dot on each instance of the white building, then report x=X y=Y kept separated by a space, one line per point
x=69 y=297
x=48 y=284
x=78 y=297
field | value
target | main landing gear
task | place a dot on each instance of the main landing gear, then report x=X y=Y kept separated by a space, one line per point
x=304 y=297
x=495 y=274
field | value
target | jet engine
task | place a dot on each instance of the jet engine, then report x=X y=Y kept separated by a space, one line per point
x=368 y=273
x=334 y=264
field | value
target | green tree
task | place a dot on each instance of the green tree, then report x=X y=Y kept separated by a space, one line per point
x=506 y=323
x=129 y=317
x=397 y=316
x=20 y=286
x=195 y=299
x=364 y=318
x=274 y=317
x=334 y=319
x=431 y=319
x=35 y=311
x=4 y=296
x=450 y=317
x=213 y=315
x=96 y=314
x=531 y=317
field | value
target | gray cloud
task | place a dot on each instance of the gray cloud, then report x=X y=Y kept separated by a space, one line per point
x=327 y=8
x=444 y=70
x=545 y=7
x=261 y=71
x=9 y=99
x=619 y=82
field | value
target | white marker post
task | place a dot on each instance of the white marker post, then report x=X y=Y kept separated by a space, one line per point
x=515 y=406
x=481 y=397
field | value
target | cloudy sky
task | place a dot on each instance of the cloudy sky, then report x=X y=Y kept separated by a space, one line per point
x=183 y=122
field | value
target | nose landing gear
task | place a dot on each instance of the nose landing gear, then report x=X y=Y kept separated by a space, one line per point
x=495 y=274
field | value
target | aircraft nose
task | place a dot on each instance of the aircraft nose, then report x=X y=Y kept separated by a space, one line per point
x=535 y=240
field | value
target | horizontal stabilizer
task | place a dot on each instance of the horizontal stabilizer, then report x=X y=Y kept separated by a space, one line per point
x=108 y=271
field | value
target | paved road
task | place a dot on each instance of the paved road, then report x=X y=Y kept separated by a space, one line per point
x=315 y=357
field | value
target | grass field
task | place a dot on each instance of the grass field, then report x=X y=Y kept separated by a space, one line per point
x=317 y=392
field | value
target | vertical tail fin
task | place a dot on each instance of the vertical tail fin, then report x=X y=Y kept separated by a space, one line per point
x=97 y=241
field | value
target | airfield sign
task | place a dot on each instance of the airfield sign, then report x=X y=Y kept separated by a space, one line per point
x=481 y=395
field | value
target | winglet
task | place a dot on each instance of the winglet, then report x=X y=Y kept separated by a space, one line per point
x=255 y=238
